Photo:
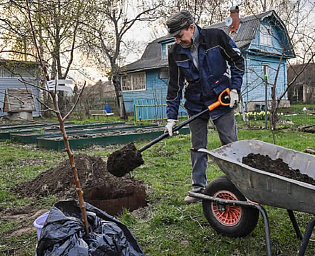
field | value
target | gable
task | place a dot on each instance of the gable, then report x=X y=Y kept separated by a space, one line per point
x=248 y=36
x=271 y=39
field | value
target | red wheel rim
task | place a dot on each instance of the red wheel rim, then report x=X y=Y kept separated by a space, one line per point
x=232 y=214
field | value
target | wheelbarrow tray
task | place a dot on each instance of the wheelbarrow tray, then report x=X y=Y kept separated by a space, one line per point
x=264 y=187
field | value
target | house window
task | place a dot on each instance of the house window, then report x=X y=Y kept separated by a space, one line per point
x=165 y=49
x=265 y=35
x=133 y=82
x=163 y=73
x=126 y=83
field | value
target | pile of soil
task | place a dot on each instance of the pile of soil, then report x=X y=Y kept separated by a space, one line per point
x=265 y=163
x=93 y=174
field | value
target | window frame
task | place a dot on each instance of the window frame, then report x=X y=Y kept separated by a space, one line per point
x=167 y=45
x=132 y=80
x=265 y=35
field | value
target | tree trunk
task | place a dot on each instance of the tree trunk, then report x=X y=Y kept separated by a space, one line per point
x=119 y=98
x=62 y=103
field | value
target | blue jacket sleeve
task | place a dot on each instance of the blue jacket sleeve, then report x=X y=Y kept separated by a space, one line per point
x=175 y=88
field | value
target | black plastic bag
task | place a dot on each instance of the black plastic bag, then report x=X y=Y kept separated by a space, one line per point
x=64 y=233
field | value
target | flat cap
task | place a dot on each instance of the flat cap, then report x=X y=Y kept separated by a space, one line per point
x=179 y=21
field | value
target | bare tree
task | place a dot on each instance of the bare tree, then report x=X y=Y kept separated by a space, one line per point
x=105 y=35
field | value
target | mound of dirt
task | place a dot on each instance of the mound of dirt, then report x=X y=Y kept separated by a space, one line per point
x=265 y=163
x=93 y=174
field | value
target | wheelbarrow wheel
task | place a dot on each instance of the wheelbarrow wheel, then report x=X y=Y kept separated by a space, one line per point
x=228 y=220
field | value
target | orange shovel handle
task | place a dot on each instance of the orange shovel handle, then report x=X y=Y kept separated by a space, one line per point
x=219 y=101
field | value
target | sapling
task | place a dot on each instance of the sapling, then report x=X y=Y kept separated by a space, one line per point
x=61 y=119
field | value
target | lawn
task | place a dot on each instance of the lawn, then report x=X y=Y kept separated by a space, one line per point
x=167 y=226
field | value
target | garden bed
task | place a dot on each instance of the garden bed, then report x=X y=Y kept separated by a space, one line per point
x=39 y=128
x=113 y=137
x=32 y=137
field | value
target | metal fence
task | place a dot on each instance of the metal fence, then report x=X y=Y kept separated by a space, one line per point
x=153 y=110
x=295 y=116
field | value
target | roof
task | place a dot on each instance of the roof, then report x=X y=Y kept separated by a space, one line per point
x=247 y=30
x=18 y=100
x=5 y=61
x=151 y=57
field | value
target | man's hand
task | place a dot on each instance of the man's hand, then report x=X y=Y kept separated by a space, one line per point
x=234 y=98
x=170 y=126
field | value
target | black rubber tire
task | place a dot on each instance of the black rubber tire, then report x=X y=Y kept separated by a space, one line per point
x=246 y=217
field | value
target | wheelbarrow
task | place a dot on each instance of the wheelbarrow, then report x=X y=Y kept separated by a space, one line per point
x=231 y=203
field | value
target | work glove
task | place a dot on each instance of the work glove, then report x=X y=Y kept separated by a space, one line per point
x=234 y=98
x=170 y=126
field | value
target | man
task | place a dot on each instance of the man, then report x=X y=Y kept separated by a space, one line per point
x=198 y=62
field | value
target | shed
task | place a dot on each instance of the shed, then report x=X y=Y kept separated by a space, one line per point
x=19 y=75
x=19 y=103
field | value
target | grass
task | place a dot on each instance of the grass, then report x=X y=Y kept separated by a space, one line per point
x=167 y=226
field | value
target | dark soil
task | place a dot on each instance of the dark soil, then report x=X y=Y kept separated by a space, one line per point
x=265 y=163
x=124 y=160
x=92 y=172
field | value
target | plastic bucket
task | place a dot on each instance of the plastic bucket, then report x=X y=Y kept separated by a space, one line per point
x=39 y=223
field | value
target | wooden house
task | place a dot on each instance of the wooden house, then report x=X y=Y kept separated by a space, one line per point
x=15 y=95
x=265 y=45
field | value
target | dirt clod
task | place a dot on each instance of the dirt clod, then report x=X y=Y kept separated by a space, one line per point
x=265 y=163
x=124 y=160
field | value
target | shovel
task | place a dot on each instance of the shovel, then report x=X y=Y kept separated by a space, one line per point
x=128 y=158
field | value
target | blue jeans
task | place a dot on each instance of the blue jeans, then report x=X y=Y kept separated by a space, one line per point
x=226 y=128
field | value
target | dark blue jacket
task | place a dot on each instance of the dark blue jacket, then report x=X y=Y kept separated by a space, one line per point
x=203 y=86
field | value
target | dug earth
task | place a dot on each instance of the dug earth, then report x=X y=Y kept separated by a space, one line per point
x=101 y=188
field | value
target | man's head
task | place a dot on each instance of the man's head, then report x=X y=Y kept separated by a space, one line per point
x=181 y=26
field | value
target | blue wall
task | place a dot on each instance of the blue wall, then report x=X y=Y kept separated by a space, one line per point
x=156 y=90
x=253 y=88
x=278 y=42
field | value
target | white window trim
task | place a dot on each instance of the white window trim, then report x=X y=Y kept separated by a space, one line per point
x=130 y=77
x=167 y=46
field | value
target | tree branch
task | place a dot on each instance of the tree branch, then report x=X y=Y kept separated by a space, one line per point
x=75 y=104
